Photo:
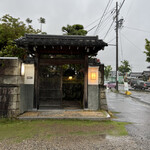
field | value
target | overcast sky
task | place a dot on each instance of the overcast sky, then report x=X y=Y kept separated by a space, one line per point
x=59 y=13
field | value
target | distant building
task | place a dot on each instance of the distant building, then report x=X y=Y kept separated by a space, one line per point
x=136 y=75
x=112 y=77
x=146 y=75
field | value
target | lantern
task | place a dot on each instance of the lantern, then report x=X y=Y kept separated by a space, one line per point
x=93 y=75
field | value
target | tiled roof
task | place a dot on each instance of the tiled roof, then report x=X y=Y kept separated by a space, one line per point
x=61 y=44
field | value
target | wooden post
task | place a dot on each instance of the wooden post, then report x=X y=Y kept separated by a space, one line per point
x=36 y=87
x=85 y=99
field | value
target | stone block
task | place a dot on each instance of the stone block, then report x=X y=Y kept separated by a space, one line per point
x=13 y=105
x=3 y=98
x=10 y=80
x=1 y=79
x=13 y=113
x=20 y=79
x=9 y=62
x=102 y=95
x=10 y=71
x=103 y=102
x=104 y=107
x=9 y=90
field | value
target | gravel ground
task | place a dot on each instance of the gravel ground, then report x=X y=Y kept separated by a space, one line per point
x=93 y=142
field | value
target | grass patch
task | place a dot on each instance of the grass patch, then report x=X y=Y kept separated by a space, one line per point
x=18 y=130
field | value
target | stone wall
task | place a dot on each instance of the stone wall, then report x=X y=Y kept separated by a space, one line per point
x=103 y=100
x=10 y=80
x=102 y=89
x=9 y=100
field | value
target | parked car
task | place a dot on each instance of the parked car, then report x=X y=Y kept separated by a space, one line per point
x=132 y=82
x=139 y=85
x=106 y=83
x=147 y=85
x=110 y=84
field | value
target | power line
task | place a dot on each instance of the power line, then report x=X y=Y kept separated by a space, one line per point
x=109 y=29
x=137 y=29
x=110 y=1
x=114 y=18
x=105 y=22
x=102 y=22
x=130 y=41
x=121 y=6
x=131 y=4
x=99 y=18
x=111 y=40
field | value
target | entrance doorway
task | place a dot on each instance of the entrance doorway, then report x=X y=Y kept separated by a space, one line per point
x=58 y=89
x=50 y=87
x=72 y=87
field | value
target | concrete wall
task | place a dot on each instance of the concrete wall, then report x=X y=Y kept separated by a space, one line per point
x=27 y=96
x=93 y=97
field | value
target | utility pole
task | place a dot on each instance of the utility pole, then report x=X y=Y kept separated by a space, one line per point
x=117 y=46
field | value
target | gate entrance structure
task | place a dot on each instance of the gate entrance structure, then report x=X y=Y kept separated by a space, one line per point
x=50 y=52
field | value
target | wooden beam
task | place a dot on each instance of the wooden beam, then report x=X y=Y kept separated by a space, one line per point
x=85 y=98
x=36 y=86
x=60 y=61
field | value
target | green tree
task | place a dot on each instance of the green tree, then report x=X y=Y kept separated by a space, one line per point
x=41 y=21
x=75 y=29
x=125 y=67
x=107 y=70
x=147 y=52
x=10 y=29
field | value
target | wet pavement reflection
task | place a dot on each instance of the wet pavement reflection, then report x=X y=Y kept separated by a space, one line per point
x=130 y=110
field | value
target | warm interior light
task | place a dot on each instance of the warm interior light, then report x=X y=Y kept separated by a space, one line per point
x=93 y=75
x=70 y=77
x=22 y=69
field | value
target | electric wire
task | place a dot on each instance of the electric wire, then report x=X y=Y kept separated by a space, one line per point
x=105 y=23
x=110 y=1
x=137 y=29
x=131 y=4
x=111 y=40
x=108 y=29
x=114 y=19
x=130 y=41
x=100 y=18
x=121 y=6
x=112 y=29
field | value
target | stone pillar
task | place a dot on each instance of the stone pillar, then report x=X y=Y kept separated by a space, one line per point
x=93 y=88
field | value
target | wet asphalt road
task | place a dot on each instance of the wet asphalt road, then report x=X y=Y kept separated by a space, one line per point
x=130 y=110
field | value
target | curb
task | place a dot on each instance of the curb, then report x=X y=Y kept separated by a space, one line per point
x=137 y=99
